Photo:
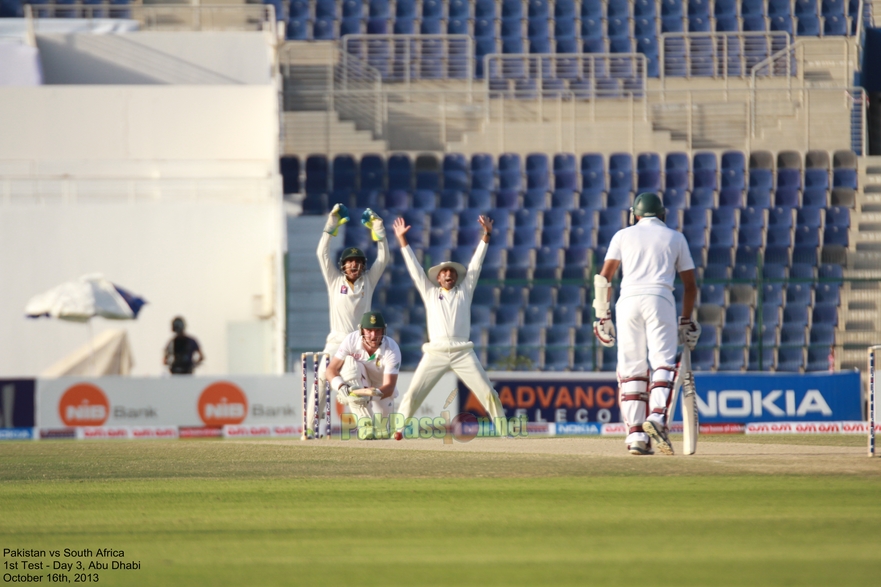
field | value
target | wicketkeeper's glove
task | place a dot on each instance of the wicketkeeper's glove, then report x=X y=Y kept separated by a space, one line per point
x=689 y=332
x=604 y=330
x=374 y=223
x=337 y=217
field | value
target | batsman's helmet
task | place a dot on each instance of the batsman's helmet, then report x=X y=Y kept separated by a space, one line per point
x=648 y=205
x=178 y=325
x=352 y=253
x=372 y=320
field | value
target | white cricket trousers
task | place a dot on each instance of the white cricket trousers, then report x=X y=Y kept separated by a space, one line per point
x=647 y=337
x=462 y=362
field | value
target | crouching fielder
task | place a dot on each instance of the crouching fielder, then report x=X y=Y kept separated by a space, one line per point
x=650 y=255
x=364 y=373
x=447 y=291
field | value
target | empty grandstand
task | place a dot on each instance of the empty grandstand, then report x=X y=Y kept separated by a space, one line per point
x=550 y=116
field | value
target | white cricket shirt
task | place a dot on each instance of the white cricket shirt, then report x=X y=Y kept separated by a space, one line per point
x=348 y=301
x=651 y=255
x=447 y=312
x=386 y=359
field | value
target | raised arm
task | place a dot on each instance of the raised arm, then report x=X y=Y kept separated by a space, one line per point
x=377 y=230
x=417 y=274
x=337 y=217
x=473 y=273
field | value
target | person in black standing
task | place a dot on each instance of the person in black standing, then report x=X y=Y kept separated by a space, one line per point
x=182 y=354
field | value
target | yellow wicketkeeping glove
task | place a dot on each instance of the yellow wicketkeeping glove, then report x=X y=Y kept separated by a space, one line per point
x=337 y=217
x=374 y=223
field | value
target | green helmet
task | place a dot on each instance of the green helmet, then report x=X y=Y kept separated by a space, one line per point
x=372 y=320
x=648 y=205
x=352 y=253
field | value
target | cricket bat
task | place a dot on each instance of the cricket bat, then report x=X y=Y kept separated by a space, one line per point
x=690 y=424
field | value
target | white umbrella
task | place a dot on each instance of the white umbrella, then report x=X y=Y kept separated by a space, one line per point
x=80 y=300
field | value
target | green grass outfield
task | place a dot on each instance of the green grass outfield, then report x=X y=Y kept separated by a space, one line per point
x=744 y=511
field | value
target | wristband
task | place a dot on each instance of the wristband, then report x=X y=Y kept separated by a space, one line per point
x=336 y=382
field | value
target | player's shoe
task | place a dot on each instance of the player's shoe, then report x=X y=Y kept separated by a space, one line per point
x=366 y=433
x=658 y=432
x=639 y=448
x=307 y=434
x=398 y=435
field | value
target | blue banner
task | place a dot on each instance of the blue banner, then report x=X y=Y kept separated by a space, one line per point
x=777 y=397
x=17 y=403
x=551 y=399
x=16 y=433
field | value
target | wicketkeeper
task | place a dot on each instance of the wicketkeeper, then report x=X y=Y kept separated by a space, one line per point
x=364 y=373
x=447 y=291
x=650 y=255
x=349 y=287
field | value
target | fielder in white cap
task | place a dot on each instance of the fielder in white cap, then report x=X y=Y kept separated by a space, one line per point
x=447 y=291
x=650 y=255
x=364 y=373
x=350 y=287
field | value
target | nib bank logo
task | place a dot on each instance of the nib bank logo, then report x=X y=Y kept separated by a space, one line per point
x=222 y=403
x=83 y=405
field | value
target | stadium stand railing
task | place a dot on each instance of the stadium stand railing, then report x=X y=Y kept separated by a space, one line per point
x=164 y=17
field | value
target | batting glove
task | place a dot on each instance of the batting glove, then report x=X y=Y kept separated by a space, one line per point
x=374 y=223
x=689 y=332
x=604 y=330
x=342 y=395
x=337 y=217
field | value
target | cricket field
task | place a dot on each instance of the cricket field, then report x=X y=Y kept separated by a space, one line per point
x=747 y=510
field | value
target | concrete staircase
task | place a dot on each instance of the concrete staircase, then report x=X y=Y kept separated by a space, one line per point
x=860 y=315
x=307 y=309
x=304 y=133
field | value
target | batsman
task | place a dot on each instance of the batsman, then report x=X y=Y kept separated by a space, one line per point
x=364 y=373
x=650 y=255
x=350 y=287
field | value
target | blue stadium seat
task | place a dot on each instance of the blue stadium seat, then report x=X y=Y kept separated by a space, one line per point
x=671 y=8
x=379 y=9
x=344 y=176
x=481 y=316
x=790 y=359
x=316 y=175
x=743 y=272
x=835 y=26
x=827 y=293
x=712 y=294
x=822 y=334
x=548 y=261
x=676 y=161
x=297 y=29
x=519 y=261
x=805 y=8
x=536 y=315
x=699 y=8
x=570 y=295
x=672 y=24
x=644 y=9
x=844 y=178
x=808 y=26
x=576 y=260
x=740 y=314
x=831 y=272
x=825 y=314
x=618 y=9
x=592 y=9
x=731 y=359
x=797 y=315
x=299 y=9
x=485 y=295
x=725 y=8
x=565 y=315
x=645 y=27
x=832 y=8
x=727 y=23
x=289 y=167
x=326 y=9
x=583 y=218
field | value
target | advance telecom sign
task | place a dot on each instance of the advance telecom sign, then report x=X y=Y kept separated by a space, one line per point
x=773 y=397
